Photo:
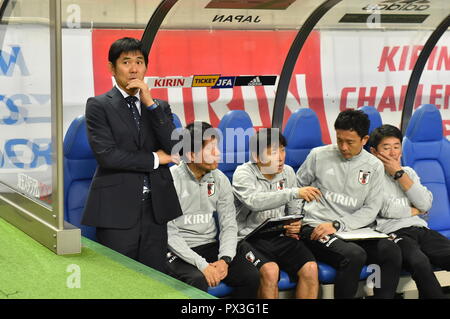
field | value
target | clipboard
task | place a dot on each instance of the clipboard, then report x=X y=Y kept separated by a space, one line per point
x=273 y=226
x=361 y=234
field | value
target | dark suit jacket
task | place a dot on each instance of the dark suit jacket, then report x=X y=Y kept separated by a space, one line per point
x=124 y=155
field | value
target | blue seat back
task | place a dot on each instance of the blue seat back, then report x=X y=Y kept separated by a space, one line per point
x=237 y=129
x=427 y=151
x=302 y=133
x=79 y=168
x=374 y=117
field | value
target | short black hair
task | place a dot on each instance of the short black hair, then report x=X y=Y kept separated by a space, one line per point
x=193 y=132
x=353 y=120
x=382 y=132
x=265 y=138
x=125 y=45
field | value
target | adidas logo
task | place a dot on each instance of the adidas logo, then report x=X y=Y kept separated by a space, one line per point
x=184 y=194
x=255 y=81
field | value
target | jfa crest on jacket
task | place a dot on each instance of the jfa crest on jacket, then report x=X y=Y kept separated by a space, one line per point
x=211 y=188
x=364 y=177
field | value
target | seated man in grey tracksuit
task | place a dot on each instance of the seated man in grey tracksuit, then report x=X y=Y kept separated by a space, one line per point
x=405 y=201
x=264 y=188
x=196 y=255
x=350 y=180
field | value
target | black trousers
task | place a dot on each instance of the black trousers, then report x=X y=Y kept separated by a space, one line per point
x=421 y=248
x=242 y=274
x=145 y=242
x=349 y=257
x=290 y=254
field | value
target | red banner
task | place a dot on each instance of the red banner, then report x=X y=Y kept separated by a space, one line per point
x=226 y=53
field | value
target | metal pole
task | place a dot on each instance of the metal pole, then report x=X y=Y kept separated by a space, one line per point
x=57 y=112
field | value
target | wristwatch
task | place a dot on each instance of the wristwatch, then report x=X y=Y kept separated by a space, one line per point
x=226 y=259
x=398 y=174
x=336 y=225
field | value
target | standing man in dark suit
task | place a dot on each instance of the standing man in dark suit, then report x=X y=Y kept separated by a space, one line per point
x=132 y=196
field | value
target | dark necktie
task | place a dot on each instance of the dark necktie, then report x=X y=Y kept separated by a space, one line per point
x=131 y=100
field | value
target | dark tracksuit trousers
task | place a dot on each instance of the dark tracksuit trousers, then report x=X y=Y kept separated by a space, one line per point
x=243 y=276
x=423 y=248
x=349 y=258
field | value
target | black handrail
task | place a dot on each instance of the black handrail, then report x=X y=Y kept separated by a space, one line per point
x=154 y=23
x=2 y=14
x=3 y=8
x=416 y=73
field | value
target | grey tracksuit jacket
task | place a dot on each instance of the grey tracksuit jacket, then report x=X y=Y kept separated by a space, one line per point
x=395 y=212
x=258 y=198
x=199 y=199
x=350 y=188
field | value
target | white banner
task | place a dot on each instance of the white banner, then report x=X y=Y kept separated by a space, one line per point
x=25 y=106
x=374 y=67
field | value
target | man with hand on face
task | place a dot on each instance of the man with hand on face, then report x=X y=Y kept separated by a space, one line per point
x=405 y=199
x=203 y=253
x=264 y=188
x=132 y=196
x=350 y=180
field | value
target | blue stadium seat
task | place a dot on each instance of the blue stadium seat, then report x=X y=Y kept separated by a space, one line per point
x=79 y=168
x=302 y=133
x=327 y=274
x=221 y=290
x=374 y=117
x=427 y=151
x=235 y=144
x=285 y=282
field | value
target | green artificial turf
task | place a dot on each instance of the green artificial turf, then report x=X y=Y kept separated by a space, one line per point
x=29 y=270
